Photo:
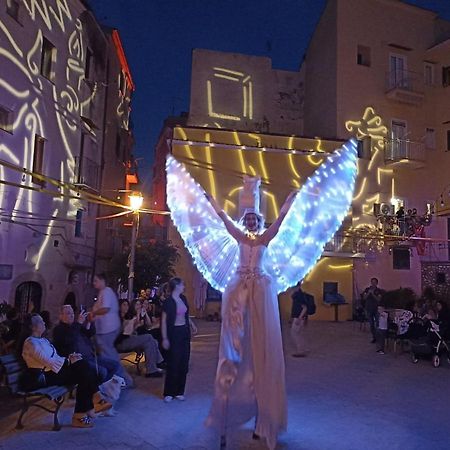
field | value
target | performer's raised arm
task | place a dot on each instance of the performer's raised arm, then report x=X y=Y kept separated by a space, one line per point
x=231 y=228
x=272 y=231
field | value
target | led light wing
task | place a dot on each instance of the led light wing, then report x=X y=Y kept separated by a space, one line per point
x=314 y=217
x=215 y=252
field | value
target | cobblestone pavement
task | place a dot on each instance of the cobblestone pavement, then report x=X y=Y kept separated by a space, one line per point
x=343 y=396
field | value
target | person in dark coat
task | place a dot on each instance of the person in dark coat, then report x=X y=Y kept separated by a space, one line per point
x=76 y=337
x=371 y=298
x=176 y=334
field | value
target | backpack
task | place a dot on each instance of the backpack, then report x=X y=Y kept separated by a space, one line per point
x=310 y=304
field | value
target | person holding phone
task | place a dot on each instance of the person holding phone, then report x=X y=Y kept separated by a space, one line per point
x=71 y=336
x=130 y=341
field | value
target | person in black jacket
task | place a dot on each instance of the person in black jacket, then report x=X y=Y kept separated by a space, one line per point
x=176 y=329
x=75 y=337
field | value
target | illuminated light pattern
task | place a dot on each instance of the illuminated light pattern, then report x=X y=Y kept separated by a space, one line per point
x=371 y=178
x=273 y=201
x=315 y=215
x=211 y=113
x=291 y=159
x=214 y=251
x=340 y=267
x=247 y=93
x=212 y=182
x=51 y=111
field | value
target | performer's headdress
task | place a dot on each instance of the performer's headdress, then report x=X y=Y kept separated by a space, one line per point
x=250 y=199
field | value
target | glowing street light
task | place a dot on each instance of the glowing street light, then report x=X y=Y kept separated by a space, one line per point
x=136 y=201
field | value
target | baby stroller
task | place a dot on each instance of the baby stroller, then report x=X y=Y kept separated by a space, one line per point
x=430 y=344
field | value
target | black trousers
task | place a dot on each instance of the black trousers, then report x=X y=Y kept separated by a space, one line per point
x=177 y=362
x=82 y=374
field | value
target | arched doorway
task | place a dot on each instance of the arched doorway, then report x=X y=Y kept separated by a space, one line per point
x=28 y=297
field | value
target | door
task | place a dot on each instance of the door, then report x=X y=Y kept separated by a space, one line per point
x=399 y=145
x=28 y=298
x=398 y=72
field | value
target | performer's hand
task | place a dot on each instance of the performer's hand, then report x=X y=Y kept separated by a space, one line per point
x=165 y=344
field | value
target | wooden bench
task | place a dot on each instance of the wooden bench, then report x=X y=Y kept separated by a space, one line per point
x=135 y=361
x=12 y=368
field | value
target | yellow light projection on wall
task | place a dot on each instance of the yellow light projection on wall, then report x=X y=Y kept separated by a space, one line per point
x=243 y=82
x=374 y=180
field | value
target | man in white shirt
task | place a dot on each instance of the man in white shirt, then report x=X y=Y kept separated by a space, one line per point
x=105 y=312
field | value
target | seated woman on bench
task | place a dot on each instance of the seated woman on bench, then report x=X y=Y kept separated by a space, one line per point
x=47 y=368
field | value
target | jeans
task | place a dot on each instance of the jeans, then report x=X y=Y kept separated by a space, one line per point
x=105 y=368
x=143 y=343
x=106 y=349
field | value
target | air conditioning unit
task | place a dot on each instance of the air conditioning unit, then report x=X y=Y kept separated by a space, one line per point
x=383 y=209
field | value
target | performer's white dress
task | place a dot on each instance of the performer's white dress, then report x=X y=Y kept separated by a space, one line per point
x=250 y=372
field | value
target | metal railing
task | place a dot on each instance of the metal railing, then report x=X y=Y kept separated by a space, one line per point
x=404 y=80
x=396 y=150
x=87 y=172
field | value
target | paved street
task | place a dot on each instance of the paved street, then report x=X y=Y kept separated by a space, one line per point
x=344 y=396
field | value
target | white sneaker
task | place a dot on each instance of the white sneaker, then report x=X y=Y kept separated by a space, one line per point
x=168 y=399
x=182 y=398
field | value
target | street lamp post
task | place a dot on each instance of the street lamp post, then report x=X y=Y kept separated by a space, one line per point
x=136 y=201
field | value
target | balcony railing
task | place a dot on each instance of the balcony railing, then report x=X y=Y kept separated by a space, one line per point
x=405 y=80
x=403 y=150
x=405 y=87
x=87 y=173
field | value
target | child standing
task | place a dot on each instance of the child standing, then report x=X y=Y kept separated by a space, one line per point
x=382 y=329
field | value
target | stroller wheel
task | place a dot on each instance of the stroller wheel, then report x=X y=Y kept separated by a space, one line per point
x=414 y=358
x=436 y=361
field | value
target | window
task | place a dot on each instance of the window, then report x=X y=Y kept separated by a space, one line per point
x=13 y=9
x=88 y=65
x=6 y=119
x=401 y=258
x=48 y=59
x=78 y=223
x=398 y=75
x=122 y=83
x=363 y=56
x=446 y=76
x=430 y=138
x=428 y=74
x=38 y=157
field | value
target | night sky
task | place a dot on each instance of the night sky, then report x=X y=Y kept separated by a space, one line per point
x=159 y=35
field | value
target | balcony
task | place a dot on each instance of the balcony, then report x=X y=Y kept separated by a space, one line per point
x=344 y=246
x=87 y=173
x=405 y=87
x=405 y=153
